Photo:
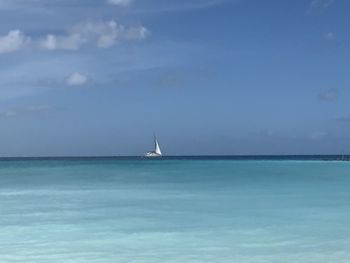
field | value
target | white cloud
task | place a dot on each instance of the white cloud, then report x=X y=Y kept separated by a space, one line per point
x=13 y=41
x=70 y=42
x=76 y=79
x=120 y=2
x=102 y=34
x=329 y=36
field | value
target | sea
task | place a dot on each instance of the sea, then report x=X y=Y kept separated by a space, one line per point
x=257 y=209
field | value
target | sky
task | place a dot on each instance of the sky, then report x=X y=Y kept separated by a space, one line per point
x=209 y=77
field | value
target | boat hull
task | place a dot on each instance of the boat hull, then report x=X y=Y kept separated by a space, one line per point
x=152 y=155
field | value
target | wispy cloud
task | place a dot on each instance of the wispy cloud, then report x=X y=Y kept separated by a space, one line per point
x=25 y=4
x=157 y=6
x=267 y=132
x=99 y=34
x=328 y=95
x=34 y=109
x=138 y=5
x=76 y=79
x=69 y=42
x=318 y=135
x=120 y=2
x=329 y=36
x=344 y=120
x=9 y=4
x=317 y=4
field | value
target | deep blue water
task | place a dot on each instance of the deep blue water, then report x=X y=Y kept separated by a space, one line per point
x=222 y=209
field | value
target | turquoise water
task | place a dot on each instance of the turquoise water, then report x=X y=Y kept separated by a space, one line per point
x=106 y=210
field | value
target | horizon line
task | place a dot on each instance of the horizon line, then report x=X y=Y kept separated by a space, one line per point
x=173 y=156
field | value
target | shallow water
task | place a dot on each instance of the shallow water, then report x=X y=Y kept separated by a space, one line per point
x=110 y=210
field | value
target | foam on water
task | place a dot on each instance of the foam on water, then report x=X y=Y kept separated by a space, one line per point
x=174 y=211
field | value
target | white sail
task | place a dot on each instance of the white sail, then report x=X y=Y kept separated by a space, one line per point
x=157 y=148
x=157 y=152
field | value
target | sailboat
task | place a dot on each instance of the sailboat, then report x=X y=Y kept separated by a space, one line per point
x=157 y=152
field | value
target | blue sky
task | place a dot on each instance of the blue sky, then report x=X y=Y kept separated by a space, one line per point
x=98 y=77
